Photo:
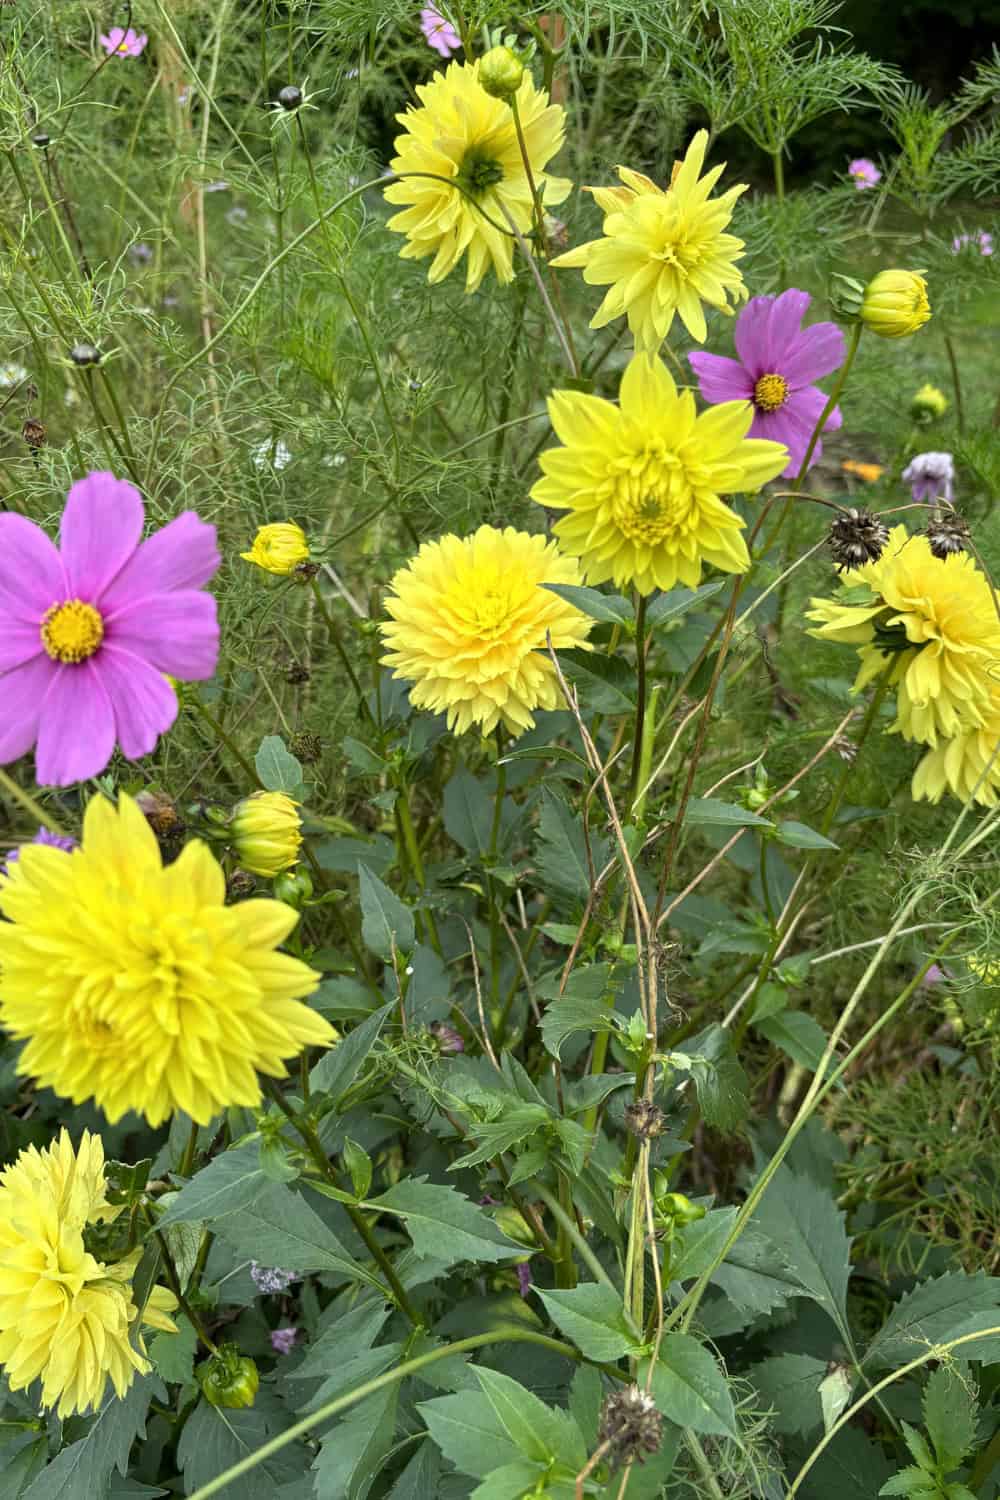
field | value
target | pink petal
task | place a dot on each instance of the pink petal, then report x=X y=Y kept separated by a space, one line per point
x=101 y=528
x=23 y=693
x=144 y=703
x=76 y=730
x=720 y=379
x=182 y=555
x=793 y=425
x=18 y=643
x=816 y=351
x=176 y=632
x=785 y=325
x=751 y=337
x=776 y=426
x=31 y=571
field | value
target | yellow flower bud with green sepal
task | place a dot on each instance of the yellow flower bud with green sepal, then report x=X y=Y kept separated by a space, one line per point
x=278 y=548
x=501 y=72
x=928 y=404
x=266 y=832
x=895 y=304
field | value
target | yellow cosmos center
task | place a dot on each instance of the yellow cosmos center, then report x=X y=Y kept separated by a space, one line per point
x=72 y=631
x=771 y=392
x=650 y=496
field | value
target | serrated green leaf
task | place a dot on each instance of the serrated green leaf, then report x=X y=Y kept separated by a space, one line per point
x=230 y=1182
x=756 y=1275
x=911 y=1481
x=690 y=1389
x=468 y=812
x=444 y=1224
x=951 y=1412
x=716 y=814
x=931 y=1314
x=850 y=1468
x=607 y=608
x=173 y=1353
x=84 y=1468
x=511 y=1482
x=790 y=1384
x=917 y=1444
x=798 y=1035
x=386 y=924
x=541 y=1432
x=676 y=602
x=340 y=1065
x=605 y=684
x=215 y=1438
x=280 y=1229
x=278 y=770
x=469 y=1433
x=518 y=1123
x=355 y=1449
x=803 y=1218
x=799 y=836
x=593 y=1317
x=561 y=850
x=572 y=1014
x=419 y=1479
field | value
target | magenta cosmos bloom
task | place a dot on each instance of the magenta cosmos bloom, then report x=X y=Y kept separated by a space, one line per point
x=90 y=630
x=778 y=361
x=864 y=172
x=440 y=34
x=124 y=43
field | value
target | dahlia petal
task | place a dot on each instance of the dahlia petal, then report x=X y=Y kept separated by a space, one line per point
x=719 y=378
x=23 y=693
x=31 y=571
x=144 y=702
x=183 y=555
x=76 y=726
x=176 y=632
x=101 y=527
x=815 y=352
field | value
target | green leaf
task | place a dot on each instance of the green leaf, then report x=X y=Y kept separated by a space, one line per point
x=676 y=602
x=917 y=1444
x=605 y=684
x=931 y=1314
x=609 y=608
x=340 y=1065
x=798 y=836
x=594 y=1318
x=468 y=812
x=541 y=1432
x=355 y=1449
x=420 y=1478
x=214 y=1438
x=911 y=1481
x=173 y=1353
x=22 y=1457
x=349 y=1369
x=361 y=757
x=385 y=922
x=756 y=1276
x=719 y=1080
x=469 y=1433
x=561 y=850
x=790 y=1384
x=712 y=812
x=277 y=768
x=689 y=1387
x=510 y=1482
x=231 y=1181
x=359 y=1166
x=797 y=1034
x=850 y=1468
x=280 y=1229
x=803 y=1218
x=571 y=1014
x=696 y=1245
x=131 y=1489
x=517 y=1124
x=83 y=1469
x=443 y=1224
x=951 y=1412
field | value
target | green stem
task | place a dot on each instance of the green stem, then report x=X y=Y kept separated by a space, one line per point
x=190 y=1152
x=29 y=804
x=391 y=1377
x=567 y=1223
x=493 y=885
x=405 y=821
x=640 y=708
x=223 y=737
x=833 y=807
x=956 y=382
x=334 y=633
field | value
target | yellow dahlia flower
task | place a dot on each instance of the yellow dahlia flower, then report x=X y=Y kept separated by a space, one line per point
x=469 y=625
x=641 y=481
x=267 y=832
x=663 y=250
x=935 y=620
x=462 y=134
x=136 y=985
x=278 y=548
x=968 y=765
x=895 y=304
x=66 y=1318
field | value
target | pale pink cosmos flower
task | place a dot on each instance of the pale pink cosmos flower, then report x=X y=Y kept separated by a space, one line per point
x=124 y=43
x=864 y=172
x=980 y=239
x=92 y=628
x=440 y=34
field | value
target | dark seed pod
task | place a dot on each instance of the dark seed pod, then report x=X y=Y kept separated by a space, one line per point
x=644 y=1119
x=33 y=433
x=296 y=674
x=40 y=139
x=307 y=747
x=290 y=97
x=631 y=1424
x=947 y=534
x=85 y=354
x=240 y=884
x=857 y=537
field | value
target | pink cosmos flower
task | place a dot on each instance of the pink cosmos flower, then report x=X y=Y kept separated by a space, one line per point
x=981 y=239
x=90 y=630
x=865 y=173
x=440 y=34
x=124 y=43
x=778 y=361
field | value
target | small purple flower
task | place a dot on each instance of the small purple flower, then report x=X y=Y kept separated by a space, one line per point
x=140 y=254
x=980 y=239
x=43 y=836
x=931 y=476
x=283 y=1340
x=271 y=1280
x=440 y=34
x=524 y=1278
x=447 y=1038
x=124 y=43
x=935 y=974
x=778 y=361
x=864 y=172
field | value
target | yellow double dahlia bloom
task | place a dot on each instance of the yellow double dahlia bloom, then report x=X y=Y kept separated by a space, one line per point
x=968 y=765
x=66 y=1318
x=463 y=135
x=470 y=624
x=664 y=250
x=641 y=481
x=935 y=620
x=136 y=985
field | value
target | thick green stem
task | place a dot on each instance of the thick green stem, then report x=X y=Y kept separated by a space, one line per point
x=493 y=884
x=29 y=804
x=640 y=707
x=956 y=382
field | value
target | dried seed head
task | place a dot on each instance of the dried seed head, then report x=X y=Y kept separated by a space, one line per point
x=447 y=1038
x=305 y=572
x=631 y=1424
x=33 y=433
x=85 y=354
x=296 y=673
x=290 y=97
x=160 y=812
x=40 y=139
x=947 y=534
x=857 y=537
x=645 y=1119
x=308 y=747
x=240 y=884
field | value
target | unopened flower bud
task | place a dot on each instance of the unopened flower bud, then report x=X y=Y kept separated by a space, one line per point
x=229 y=1378
x=500 y=72
x=41 y=139
x=679 y=1208
x=290 y=97
x=857 y=537
x=895 y=304
x=278 y=548
x=928 y=404
x=645 y=1119
x=293 y=887
x=266 y=832
x=85 y=354
x=631 y=1424
x=447 y=1038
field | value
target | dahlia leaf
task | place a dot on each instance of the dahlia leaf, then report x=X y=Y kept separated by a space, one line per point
x=280 y=1229
x=561 y=850
x=215 y=1438
x=593 y=1316
x=803 y=1218
x=443 y=1223
x=790 y=1384
x=469 y=1433
x=420 y=1477
x=799 y=836
x=689 y=1387
x=676 y=602
x=228 y=1183
x=932 y=1313
x=796 y=1033
x=277 y=768
x=355 y=1449
x=712 y=811
x=609 y=609
x=82 y=1470
x=542 y=1433
x=338 y=1068
x=386 y=924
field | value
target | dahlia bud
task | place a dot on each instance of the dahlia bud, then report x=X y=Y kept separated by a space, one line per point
x=228 y=1378
x=631 y=1424
x=85 y=354
x=266 y=832
x=645 y=1119
x=679 y=1209
x=278 y=548
x=895 y=304
x=857 y=537
x=928 y=404
x=500 y=72
x=293 y=887
x=290 y=97
x=947 y=534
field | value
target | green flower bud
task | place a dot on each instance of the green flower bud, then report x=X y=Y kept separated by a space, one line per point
x=500 y=72
x=680 y=1209
x=228 y=1378
x=294 y=887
